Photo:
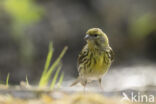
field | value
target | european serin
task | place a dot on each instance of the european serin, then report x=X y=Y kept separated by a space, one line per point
x=95 y=58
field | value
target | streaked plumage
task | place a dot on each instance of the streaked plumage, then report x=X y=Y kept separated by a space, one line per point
x=95 y=58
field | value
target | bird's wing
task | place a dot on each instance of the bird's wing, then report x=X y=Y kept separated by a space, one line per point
x=82 y=57
x=111 y=54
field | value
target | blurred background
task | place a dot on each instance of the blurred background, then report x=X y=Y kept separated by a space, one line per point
x=27 y=27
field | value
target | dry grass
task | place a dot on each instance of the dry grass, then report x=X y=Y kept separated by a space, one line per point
x=62 y=98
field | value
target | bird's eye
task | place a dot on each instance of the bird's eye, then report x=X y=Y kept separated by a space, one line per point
x=95 y=35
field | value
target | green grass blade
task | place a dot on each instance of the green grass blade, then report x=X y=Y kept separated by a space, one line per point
x=55 y=78
x=60 y=80
x=7 y=80
x=49 y=57
x=54 y=65
x=27 y=82
x=47 y=64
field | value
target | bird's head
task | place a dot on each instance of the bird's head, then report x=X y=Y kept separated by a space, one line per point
x=96 y=37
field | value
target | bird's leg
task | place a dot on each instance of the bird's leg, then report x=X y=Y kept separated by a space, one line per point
x=84 y=83
x=100 y=82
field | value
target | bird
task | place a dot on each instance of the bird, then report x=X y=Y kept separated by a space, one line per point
x=95 y=57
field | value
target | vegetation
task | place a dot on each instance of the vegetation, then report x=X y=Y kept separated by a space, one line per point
x=7 y=80
x=49 y=70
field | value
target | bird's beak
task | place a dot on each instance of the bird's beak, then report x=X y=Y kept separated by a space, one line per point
x=86 y=37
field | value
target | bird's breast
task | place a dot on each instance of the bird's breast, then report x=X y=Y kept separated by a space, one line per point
x=102 y=61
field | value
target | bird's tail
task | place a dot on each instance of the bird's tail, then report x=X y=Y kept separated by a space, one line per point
x=75 y=82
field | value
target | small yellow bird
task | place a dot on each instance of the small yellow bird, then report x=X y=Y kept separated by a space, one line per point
x=95 y=58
